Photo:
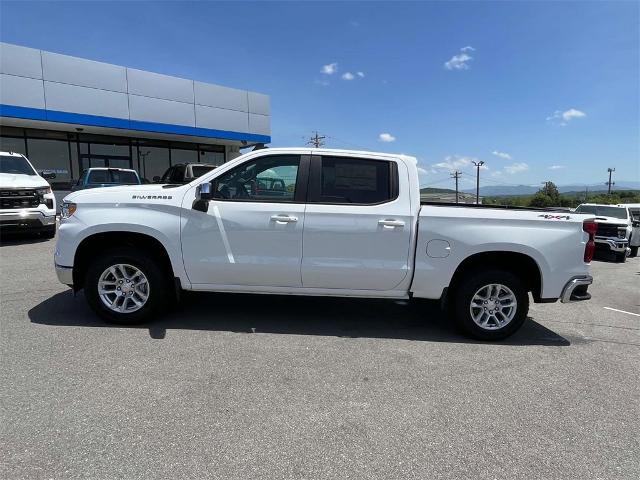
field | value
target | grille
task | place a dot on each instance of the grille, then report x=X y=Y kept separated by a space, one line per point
x=19 y=198
x=608 y=230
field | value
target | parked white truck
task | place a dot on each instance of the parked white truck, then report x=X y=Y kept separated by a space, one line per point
x=615 y=229
x=27 y=203
x=318 y=222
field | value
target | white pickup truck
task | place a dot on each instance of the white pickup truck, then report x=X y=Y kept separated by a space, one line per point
x=318 y=222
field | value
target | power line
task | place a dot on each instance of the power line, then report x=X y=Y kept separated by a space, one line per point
x=317 y=140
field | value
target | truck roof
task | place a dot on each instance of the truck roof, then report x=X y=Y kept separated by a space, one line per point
x=11 y=154
x=337 y=151
x=110 y=168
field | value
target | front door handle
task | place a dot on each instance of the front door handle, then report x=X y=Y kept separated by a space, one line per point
x=390 y=223
x=283 y=219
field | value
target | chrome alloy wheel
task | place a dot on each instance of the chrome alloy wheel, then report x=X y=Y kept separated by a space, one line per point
x=123 y=288
x=493 y=306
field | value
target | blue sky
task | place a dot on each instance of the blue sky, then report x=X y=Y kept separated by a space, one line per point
x=537 y=90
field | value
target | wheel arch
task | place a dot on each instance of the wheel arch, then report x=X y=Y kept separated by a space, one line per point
x=96 y=242
x=520 y=264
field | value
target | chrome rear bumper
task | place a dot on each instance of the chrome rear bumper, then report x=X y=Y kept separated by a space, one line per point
x=576 y=289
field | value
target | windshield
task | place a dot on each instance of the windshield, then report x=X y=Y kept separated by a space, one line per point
x=15 y=165
x=116 y=177
x=603 y=211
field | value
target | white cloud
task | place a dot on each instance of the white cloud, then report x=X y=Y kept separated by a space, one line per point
x=324 y=83
x=460 y=61
x=422 y=171
x=503 y=155
x=556 y=167
x=386 y=137
x=455 y=162
x=348 y=76
x=563 y=118
x=329 y=69
x=516 y=168
x=360 y=74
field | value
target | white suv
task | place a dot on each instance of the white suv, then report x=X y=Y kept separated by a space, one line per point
x=26 y=200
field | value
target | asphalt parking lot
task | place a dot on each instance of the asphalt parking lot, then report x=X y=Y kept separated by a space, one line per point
x=238 y=386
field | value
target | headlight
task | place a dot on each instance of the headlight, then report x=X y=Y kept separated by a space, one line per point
x=67 y=209
x=43 y=191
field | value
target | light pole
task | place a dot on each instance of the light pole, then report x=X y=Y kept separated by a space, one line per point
x=478 y=165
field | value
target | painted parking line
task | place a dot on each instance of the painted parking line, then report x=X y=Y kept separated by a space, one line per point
x=622 y=311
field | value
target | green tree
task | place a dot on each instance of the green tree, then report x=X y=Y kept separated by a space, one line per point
x=541 y=199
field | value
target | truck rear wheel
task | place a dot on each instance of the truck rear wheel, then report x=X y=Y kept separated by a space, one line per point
x=490 y=305
x=125 y=286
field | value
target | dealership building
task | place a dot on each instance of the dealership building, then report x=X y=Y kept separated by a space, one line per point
x=67 y=114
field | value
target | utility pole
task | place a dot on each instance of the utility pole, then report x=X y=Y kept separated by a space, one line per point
x=317 y=140
x=456 y=175
x=609 y=183
x=478 y=165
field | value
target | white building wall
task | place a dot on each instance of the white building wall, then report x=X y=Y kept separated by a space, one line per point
x=54 y=83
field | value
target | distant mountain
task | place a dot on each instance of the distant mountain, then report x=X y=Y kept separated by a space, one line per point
x=436 y=190
x=516 y=190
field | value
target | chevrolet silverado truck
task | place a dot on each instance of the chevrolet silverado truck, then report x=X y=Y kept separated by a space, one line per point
x=615 y=228
x=318 y=222
x=27 y=203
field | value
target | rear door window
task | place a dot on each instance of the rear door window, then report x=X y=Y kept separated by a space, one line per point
x=346 y=180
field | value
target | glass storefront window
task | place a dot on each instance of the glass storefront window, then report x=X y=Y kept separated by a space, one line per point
x=52 y=155
x=154 y=161
x=10 y=144
x=109 y=149
x=212 y=154
x=179 y=155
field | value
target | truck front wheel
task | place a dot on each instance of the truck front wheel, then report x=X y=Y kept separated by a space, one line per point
x=491 y=304
x=125 y=286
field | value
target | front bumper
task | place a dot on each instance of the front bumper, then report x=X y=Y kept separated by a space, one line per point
x=27 y=219
x=65 y=274
x=614 y=244
x=576 y=289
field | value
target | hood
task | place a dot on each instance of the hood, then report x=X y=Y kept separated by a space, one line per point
x=12 y=180
x=611 y=220
x=122 y=192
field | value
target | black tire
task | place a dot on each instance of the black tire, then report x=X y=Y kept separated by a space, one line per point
x=471 y=283
x=634 y=252
x=621 y=257
x=159 y=287
x=49 y=232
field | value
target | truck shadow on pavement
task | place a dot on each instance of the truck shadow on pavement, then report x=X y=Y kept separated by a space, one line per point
x=292 y=315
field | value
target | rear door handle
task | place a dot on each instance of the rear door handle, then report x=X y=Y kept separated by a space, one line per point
x=283 y=219
x=391 y=223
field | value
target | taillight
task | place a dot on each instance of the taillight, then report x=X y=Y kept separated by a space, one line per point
x=590 y=227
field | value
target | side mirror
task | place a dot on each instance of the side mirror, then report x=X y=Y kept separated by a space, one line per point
x=156 y=179
x=48 y=175
x=204 y=192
